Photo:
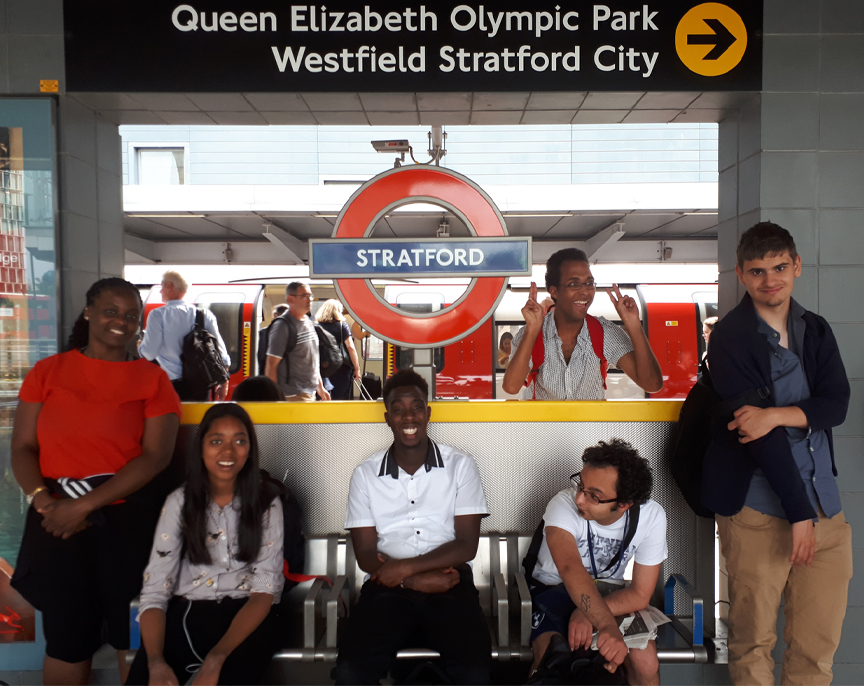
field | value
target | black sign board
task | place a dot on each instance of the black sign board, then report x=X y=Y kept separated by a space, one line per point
x=390 y=46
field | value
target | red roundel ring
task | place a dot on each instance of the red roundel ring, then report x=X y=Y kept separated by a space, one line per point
x=420 y=183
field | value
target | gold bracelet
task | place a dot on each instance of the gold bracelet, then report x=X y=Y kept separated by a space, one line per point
x=35 y=493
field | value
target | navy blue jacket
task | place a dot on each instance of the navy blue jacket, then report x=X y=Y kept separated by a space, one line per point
x=738 y=359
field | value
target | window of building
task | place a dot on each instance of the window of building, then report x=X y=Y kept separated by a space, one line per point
x=160 y=166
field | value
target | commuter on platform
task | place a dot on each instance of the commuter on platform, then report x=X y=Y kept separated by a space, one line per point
x=707 y=329
x=779 y=514
x=505 y=347
x=331 y=318
x=414 y=514
x=292 y=348
x=215 y=571
x=584 y=542
x=92 y=428
x=168 y=325
x=571 y=368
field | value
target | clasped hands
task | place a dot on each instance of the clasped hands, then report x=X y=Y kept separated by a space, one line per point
x=580 y=634
x=62 y=518
x=398 y=572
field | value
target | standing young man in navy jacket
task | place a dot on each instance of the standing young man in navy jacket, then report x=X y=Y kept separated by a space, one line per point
x=781 y=527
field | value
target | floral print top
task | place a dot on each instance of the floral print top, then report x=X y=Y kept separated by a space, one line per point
x=168 y=575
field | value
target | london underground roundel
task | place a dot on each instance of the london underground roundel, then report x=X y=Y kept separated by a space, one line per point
x=451 y=191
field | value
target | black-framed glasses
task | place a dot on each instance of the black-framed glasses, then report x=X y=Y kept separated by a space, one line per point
x=576 y=481
x=575 y=286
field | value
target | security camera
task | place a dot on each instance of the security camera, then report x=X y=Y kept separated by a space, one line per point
x=391 y=146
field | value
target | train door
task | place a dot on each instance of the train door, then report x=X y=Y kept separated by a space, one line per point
x=675 y=331
x=464 y=369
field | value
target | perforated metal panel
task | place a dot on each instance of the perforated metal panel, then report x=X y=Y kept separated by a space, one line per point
x=522 y=466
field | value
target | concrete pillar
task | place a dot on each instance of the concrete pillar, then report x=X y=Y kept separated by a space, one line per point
x=795 y=156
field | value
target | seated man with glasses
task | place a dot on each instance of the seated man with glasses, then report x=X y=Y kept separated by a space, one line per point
x=565 y=363
x=586 y=527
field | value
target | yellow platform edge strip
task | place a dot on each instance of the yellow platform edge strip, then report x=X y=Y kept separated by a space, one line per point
x=478 y=411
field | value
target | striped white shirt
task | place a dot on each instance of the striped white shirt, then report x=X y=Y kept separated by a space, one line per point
x=579 y=379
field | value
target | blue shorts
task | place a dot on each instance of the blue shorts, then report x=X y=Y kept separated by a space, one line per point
x=552 y=609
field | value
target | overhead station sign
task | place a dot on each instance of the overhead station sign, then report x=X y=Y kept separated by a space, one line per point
x=408 y=257
x=386 y=45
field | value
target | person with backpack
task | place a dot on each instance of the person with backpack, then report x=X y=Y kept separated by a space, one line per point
x=563 y=355
x=770 y=476
x=588 y=535
x=216 y=567
x=166 y=341
x=331 y=319
x=293 y=359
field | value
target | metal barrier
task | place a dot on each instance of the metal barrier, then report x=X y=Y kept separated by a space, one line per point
x=525 y=452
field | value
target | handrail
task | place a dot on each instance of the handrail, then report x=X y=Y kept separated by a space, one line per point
x=484 y=411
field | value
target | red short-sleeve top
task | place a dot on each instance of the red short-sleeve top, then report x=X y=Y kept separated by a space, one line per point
x=93 y=411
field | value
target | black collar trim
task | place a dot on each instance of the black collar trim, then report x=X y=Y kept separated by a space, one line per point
x=389 y=466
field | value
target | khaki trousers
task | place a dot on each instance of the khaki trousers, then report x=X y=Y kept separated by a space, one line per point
x=757 y=548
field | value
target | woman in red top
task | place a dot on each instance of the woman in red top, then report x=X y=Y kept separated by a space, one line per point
x=93 y=426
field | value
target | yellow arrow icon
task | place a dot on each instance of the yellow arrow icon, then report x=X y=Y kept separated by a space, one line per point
x=711 y=39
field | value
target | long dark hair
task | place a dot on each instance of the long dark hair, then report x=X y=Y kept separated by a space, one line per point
x=80 y=335
x=253 y=490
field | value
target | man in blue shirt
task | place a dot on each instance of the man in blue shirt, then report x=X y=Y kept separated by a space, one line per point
x=167 y=327
x=778 y=508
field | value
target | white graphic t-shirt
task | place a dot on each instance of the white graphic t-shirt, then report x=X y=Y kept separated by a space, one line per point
x=648 y=545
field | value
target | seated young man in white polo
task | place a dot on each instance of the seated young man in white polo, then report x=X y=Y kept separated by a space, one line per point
x=414 y=514
x=585 y=526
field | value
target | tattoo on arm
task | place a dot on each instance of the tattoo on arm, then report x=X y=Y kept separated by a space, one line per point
x=585 y=603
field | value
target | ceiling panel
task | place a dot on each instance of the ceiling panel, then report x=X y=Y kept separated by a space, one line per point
x=689 y=225
x=581 y=226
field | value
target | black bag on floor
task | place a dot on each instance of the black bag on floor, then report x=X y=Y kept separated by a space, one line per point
x=372 y=384
x=560 y=665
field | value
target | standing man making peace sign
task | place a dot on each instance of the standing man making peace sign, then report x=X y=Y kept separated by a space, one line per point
x=571 y=369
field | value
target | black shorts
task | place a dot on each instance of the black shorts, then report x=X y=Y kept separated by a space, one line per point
x=83 y=585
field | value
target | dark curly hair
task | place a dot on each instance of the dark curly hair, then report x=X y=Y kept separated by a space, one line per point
x=763 y=239
x=634 y=474
x=80 y=335
x=405 y=377
x=553 y=265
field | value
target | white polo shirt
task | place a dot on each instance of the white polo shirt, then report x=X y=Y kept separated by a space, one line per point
x=413 y=513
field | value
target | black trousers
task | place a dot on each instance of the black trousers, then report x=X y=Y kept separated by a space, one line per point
x=206 y=622
x=386 y=620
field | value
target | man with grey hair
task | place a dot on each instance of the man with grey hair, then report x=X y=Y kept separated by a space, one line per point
x=292 y=348
x=167 y=326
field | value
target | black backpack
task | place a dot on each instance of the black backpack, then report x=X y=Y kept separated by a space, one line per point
x=331 y=353
x=293 y=540
x=704 y=418
x=203 y=368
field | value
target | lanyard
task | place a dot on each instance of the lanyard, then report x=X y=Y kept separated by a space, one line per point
x=620 y=551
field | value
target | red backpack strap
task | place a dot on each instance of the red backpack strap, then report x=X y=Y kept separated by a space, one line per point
x=538 y=355
x=300 y=578
x=595 y=331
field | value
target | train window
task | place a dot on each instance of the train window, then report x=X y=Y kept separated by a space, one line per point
x=228 y=310
x=373 y=348
x=504 y=334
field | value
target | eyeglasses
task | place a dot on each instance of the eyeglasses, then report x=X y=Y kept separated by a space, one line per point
x=576 y=481
x=575 y=286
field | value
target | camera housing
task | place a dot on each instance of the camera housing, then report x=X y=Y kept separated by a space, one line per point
x=400 y=145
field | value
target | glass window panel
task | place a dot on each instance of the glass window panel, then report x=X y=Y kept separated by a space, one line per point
x=161 y=167
x=28 y=299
